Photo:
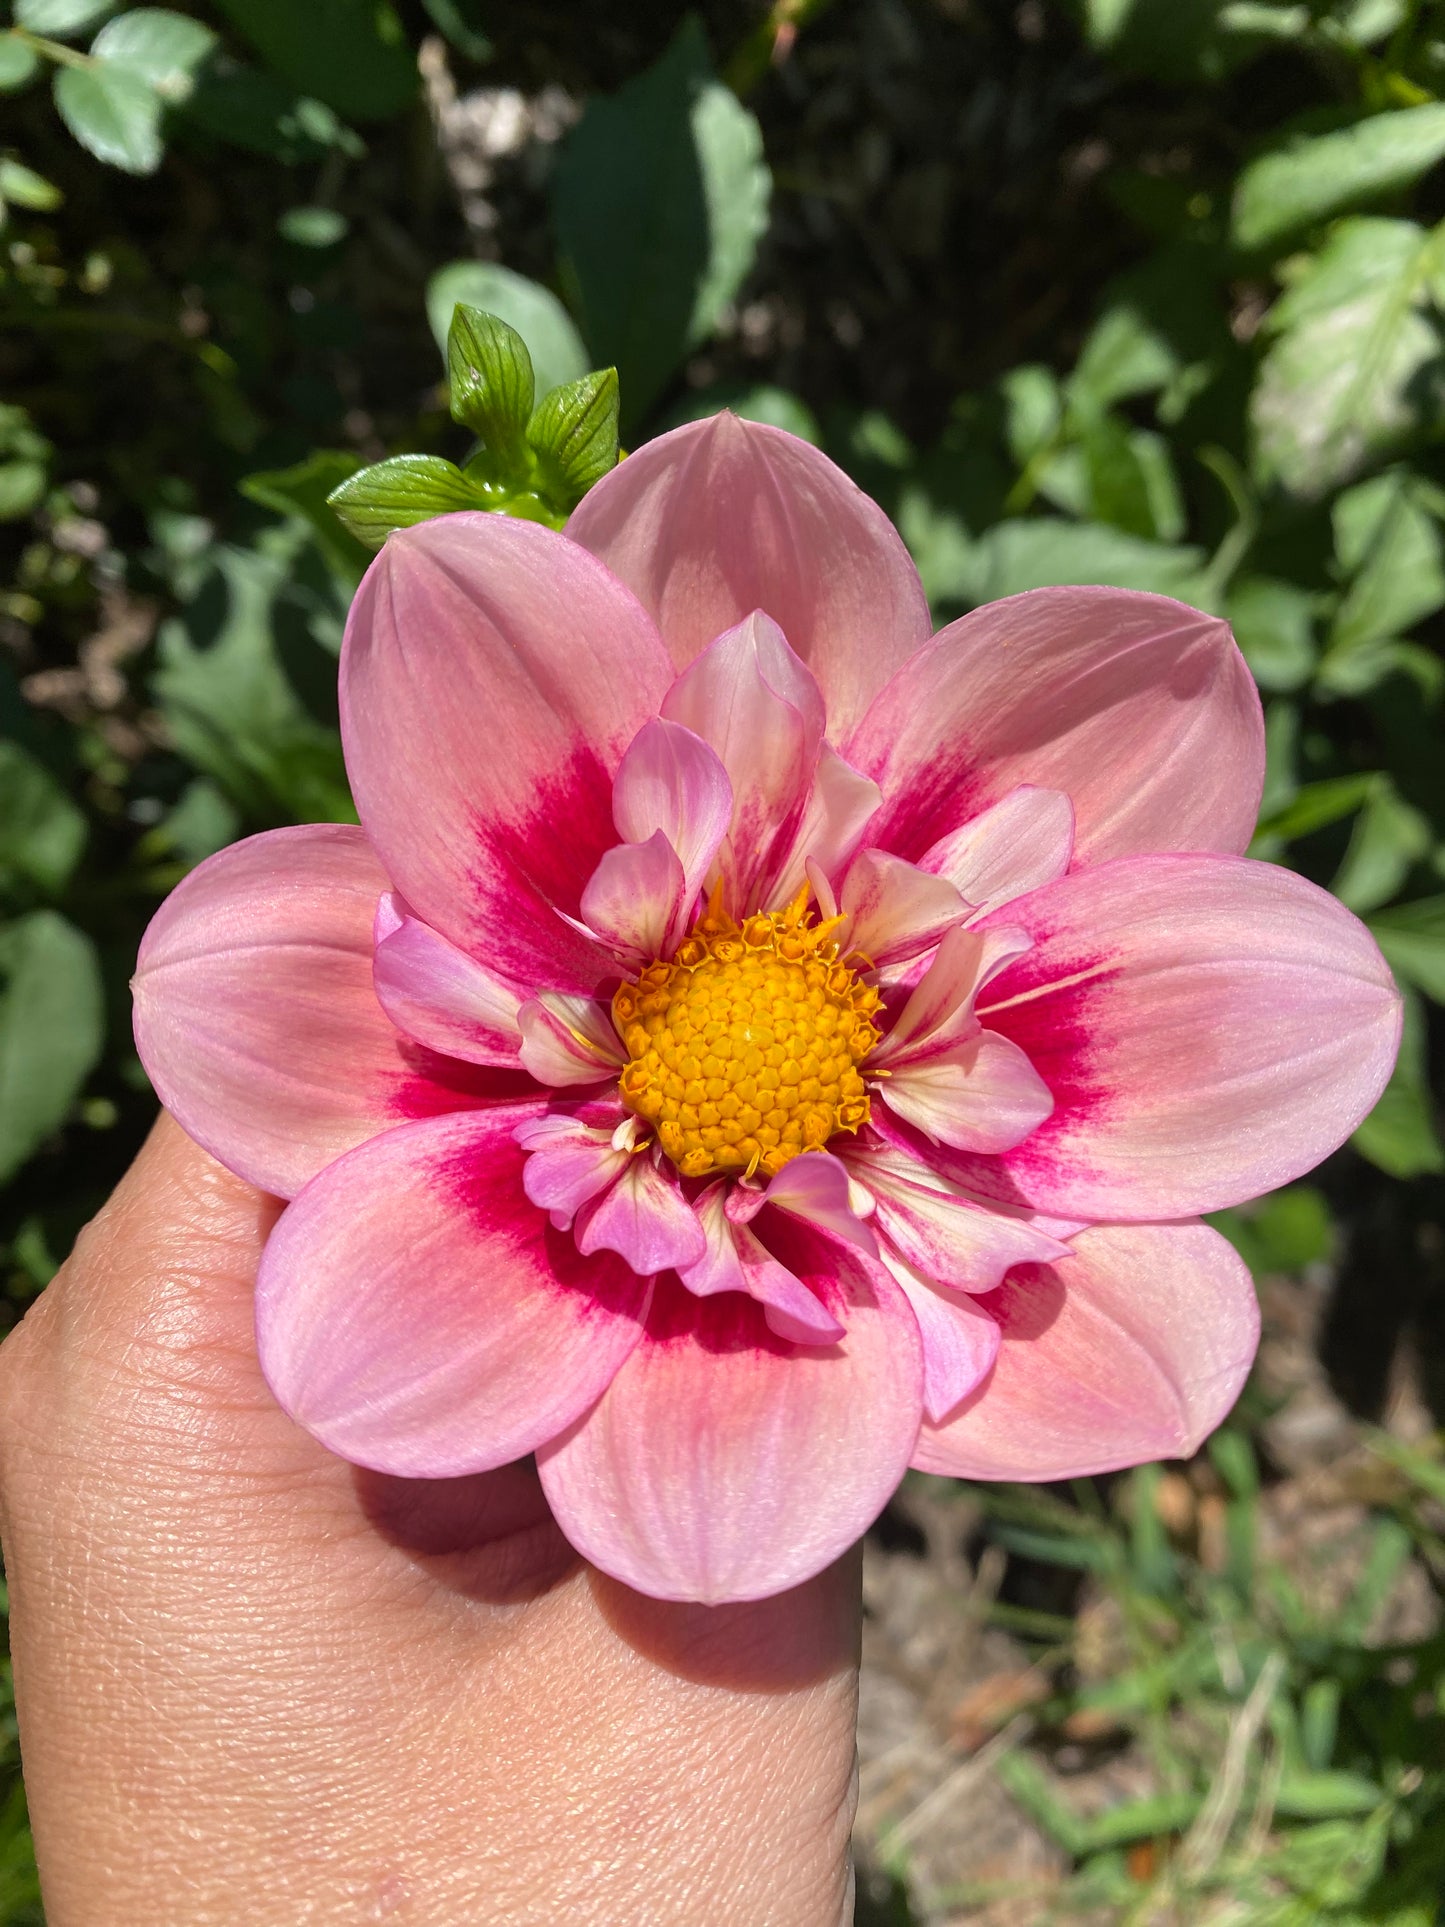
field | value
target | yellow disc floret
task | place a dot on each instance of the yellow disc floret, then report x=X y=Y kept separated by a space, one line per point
x=744 y=1049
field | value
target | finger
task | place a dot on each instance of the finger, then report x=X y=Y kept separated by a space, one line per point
x=254 y=1681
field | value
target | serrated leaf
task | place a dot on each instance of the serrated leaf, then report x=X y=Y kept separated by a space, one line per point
x=19 y=64
x=574 y=434
x=661 y=197
x=51 y=1029
x=1309 y=180
x=162 y=48
x=114 y=115
x=61 y=19
x=42 y=832
x=399 y=493
x=489 y=372
x=553 y=342
x=352 y=54
x=1356 y=368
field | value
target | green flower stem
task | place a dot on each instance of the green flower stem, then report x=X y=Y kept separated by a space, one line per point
x=62 y=55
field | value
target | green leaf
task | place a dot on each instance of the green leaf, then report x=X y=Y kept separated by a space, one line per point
x=1039 y=552
x=305 y=491
x=1399 y=1135
x=19 y=63
x=253 y=110
x=113 y=114
x=778 y=407
x=1412 y=936
x=163 y=49
x=1355 y=369
x=1326 y=1796
x=1389 y=838
x=52 y=1027
x=352 y=54
x=312 y=227
x=574 y=434
x=22 y=488
x=1124 y=355
x=1318 y=805
x=26 y=188
x=61 y=19
x=661 y=197
x=42 y=833
x=1309 y=180
x=399 y=493
x=1388 y=546
x=461 y=22
x=1273 y=623
x=554 y=344
x=229 y=703
x=492 y=389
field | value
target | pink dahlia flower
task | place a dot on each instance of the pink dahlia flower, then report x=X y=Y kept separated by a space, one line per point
x=752 y=1046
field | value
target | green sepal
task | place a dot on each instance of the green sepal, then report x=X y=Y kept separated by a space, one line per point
x=573 y=435
x=399 y=493
x=492 y=389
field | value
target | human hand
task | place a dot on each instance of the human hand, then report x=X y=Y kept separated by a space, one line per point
x=256 y=1684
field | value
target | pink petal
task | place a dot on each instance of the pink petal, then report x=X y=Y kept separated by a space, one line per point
x=417 y=1313
x=671 y=780
x=492 y=677
x=841 y=806
x=939 y=1013
x=724 y=516
x=1210 y=1028
x=936 y=1227
x=751 y=698
x=724 y=1463
x=981 y=1095
x=439 y=995
x=1025 y=840
x=255 y=1015
x=1134 y=1348
x=960 y=1342
x=568 y=1040
x=569 y=1163
x=636 y=896
x=813 y=1186
x=897 y=910
x=646 y=1218
x=1139 y=708
x=735 y=1259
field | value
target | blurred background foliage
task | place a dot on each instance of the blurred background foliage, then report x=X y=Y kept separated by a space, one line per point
x=1144 y=292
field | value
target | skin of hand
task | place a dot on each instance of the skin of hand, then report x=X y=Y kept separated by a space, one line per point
x=256 y=1684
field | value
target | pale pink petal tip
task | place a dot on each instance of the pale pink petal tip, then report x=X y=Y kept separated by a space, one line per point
x=1134 y=1348
x=724 y=516
x=568 y=1040
x=723 y=1463
x=439 y=995
x=645 y=1218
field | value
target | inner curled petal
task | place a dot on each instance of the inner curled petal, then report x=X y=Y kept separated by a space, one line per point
x=745 y=1049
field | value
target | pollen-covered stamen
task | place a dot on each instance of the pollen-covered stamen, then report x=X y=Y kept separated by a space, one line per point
x=744 y=1049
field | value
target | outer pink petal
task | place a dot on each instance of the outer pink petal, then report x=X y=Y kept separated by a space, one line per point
x=960 y=1342
x=1135 y=1348
x=438 y=994
x=492 y=677
x=735 y=1259
x=1210 y=1028
x=725 y=516
x=724 y=1463
x=636 y=896
x=1137 y=706
x=255 y=1015
x=646 y=1218
x=937 y=1228
x=1023 y=841
x=671 y=780
x=939 y=1012
x=751 y=699
x=897 y=910
x=568 y=1040
x=418 y=1314
x=981 y=1095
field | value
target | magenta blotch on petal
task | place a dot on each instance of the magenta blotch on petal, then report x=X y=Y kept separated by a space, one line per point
x=1024 y=840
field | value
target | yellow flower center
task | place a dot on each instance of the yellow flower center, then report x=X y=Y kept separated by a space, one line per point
x=744 y=1049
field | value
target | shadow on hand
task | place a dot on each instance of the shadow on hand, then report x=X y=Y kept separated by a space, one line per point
x=488 y=1536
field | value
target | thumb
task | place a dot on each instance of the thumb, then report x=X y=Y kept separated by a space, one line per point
x=256 y=1683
